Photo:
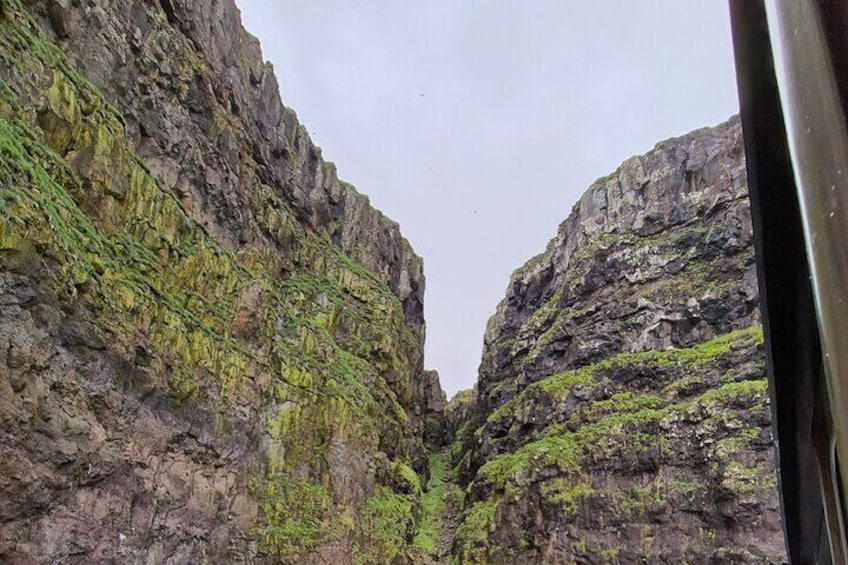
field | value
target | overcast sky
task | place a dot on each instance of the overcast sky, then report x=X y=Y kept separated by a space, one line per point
x=477 y=124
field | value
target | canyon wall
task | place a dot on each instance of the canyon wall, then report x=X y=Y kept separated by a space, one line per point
x=621 y=413
x=211 y=348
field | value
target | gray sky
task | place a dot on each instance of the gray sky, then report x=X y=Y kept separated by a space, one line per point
x=477 y=124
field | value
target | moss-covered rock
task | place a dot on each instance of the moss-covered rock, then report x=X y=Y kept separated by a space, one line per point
x=248 y=399
x=621 y=412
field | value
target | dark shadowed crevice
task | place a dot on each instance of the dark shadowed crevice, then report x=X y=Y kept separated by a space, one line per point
x=168 y=8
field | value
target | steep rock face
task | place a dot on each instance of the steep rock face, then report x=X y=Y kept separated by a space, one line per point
x=432 y=413
x=204 y=112
x=621 y=414
x=210 y=347
x=459 y=413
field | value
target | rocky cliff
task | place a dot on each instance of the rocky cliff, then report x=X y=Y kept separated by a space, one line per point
x=621 y=412
x=210 y=347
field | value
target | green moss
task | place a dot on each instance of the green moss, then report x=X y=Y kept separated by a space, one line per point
x=407 y=476
x=689 y=356
x=740 y=479
x=609 y=555
x=294 y=512
x=563 y=382
x=700 y=277
x=558 y=491
x=473 y=532
x=635 y=502
x=432 y=504
x=183 y=384
x=568 y=450
x=633 y=426
x=624 y=422
x=755 y=388
x=620 y=402
x=464 y=396
x=441 y=491
x=384 y=527
x=504 y=411
x=594 y=376
x=728 y=448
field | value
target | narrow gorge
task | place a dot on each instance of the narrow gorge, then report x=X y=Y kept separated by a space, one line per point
x=212 y=348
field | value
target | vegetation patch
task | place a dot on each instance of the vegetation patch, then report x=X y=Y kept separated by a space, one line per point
x=567 y=495
x=432 y=505
x=384 y=527
x=295 y=513
x=472 y=535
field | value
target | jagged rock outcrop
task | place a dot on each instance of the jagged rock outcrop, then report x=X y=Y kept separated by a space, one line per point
x=621 y=413
x=459 y=412
x=432 y=413
x=210 y=347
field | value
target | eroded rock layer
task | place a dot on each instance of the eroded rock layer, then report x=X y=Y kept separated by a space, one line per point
x=210 y=347
x=621 y=412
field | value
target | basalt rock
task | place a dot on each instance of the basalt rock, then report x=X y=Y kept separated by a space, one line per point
x=211 y=349
x=621 y=413
x=436 y=432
